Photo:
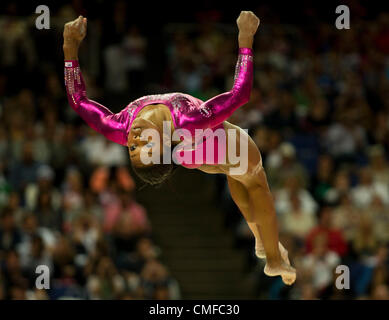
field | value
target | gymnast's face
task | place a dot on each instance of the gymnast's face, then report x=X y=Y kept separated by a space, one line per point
x=137 y=143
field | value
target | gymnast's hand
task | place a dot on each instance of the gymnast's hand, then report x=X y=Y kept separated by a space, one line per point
x=248 y=24
x=73 y=34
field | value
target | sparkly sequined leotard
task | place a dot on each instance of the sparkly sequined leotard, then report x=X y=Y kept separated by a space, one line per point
x=187 y=112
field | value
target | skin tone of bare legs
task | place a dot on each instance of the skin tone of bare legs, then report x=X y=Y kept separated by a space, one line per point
x=252 y=195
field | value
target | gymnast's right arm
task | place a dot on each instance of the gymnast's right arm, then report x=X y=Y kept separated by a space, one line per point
x=98 y=117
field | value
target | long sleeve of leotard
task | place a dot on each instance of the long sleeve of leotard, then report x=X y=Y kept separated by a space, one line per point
x=98 y=117
x=221 y=107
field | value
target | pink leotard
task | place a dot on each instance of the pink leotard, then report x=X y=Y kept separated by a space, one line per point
x=187 y=112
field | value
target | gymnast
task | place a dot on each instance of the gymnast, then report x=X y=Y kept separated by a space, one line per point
x=249 y=189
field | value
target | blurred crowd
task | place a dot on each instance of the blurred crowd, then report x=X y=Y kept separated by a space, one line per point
x=67 y=197
x=319 y=112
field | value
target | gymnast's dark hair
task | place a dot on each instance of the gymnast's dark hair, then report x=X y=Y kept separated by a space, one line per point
x=156 y=174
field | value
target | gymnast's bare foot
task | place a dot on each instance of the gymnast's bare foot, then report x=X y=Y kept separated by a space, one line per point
x=287 y=273
x=283 y=269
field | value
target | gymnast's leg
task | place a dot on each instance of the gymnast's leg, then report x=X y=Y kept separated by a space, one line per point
x=251 y=193
x=240 y=195
x=241 y=198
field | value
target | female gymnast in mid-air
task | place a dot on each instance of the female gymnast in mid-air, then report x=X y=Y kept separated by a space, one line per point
x=249 y=189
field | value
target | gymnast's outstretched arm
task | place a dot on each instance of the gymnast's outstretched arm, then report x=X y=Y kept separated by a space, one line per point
x=221 y=107
x=98 y=117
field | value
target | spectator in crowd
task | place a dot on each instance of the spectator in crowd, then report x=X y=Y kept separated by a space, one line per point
x=24 y=171
x=10 y=236
x=379 y=165
x=102 y=152
x=334 y=239
x=297 y=222
x=346 y=217
x=320 y=263
x=364 y=193
x=44 y=183
x=323 y=177
x=340 y=186
x=126 y=205
x=134 y=47
x=293 y=189
x=284 y=164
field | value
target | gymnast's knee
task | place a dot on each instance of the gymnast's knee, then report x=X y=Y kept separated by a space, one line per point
x=256 y=177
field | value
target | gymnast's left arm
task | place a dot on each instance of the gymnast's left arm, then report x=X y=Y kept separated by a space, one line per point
x=221 y=107
x=112 y=126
